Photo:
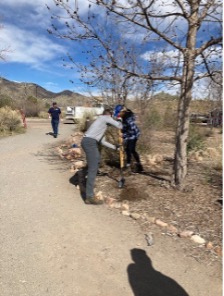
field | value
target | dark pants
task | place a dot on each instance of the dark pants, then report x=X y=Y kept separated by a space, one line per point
x=55 y=124
x=130 y=150
x=90 y=146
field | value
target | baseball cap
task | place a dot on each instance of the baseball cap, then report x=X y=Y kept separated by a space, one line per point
x=117 y=110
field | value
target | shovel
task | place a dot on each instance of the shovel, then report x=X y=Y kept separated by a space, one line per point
x=122 y=179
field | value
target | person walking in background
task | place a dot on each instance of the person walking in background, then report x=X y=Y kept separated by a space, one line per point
x=131 y=134
x=91 y=139
x=55 y=114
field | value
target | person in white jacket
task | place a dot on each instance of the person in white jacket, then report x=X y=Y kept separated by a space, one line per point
x=91 y=139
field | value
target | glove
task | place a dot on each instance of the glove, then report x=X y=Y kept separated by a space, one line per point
x=118 y=147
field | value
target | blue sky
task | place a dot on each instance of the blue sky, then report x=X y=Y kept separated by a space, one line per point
x=33 y=55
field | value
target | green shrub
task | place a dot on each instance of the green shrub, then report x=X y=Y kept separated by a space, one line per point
x=196 y=139
x=153 y=119
x=5 y=101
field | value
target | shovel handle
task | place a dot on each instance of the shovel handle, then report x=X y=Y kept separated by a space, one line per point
x=121 y=150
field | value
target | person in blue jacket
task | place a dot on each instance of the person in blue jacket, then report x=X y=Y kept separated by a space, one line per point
x=131 y=134
x=55 y=114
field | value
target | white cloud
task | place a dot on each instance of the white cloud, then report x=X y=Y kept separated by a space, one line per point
x=170 y=60
x=28 y=47
x=16 y=3
x=173 y=56
x=166 y=57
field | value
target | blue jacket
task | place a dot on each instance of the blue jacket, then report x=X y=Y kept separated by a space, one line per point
x=130 y=130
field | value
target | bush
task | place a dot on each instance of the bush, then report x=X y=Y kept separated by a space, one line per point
x=196 y=139
x=10 y=120
x=43 y=114
x=5 y=101
x=153 y=119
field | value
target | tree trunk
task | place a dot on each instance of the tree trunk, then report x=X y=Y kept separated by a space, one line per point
x=180 y=158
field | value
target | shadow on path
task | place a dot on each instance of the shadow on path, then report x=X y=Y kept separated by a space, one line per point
x=50 y=134
x=146 y=281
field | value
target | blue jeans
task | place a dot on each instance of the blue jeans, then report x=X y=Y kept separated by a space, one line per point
x=55 y=124
x=90 y=146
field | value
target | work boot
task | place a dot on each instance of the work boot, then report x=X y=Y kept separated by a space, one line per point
x=93 y=201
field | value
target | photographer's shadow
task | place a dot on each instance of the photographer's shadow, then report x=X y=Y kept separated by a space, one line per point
x=146 y=281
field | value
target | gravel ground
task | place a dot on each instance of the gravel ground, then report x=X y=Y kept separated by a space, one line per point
x=53 y=244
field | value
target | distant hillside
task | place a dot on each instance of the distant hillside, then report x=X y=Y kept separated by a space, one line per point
x=20 y=90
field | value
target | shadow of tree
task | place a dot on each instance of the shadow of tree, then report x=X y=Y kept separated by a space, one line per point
x=146 y=281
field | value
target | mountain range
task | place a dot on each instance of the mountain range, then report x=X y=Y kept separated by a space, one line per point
x=18 y=90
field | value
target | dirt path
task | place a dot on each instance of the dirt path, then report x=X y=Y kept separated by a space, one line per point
x=51 y=243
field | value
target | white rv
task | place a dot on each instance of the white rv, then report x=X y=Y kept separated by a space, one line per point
x=75 y=114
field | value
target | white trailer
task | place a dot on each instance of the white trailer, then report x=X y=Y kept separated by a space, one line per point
x=75 y=114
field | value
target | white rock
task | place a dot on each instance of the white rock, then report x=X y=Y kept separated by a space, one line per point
x=99 y=195
x=186 y=233
x=117 y=205
x=125 y=205
x=135 y=216
x=109 y=200
x=197 y=239
x=161 y=223
x=125 y=213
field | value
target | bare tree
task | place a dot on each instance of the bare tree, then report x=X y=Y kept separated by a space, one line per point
x=184 y=34
x=215 y=87
x=3 y=49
